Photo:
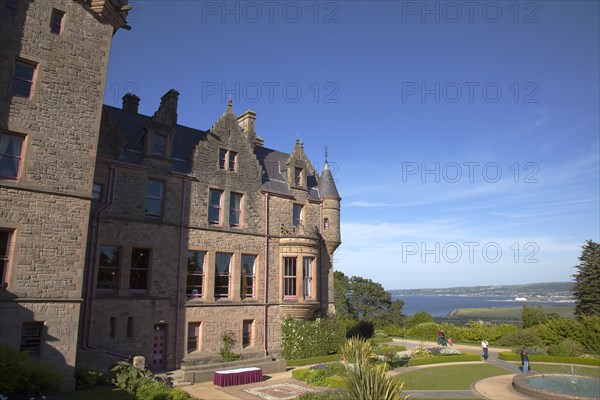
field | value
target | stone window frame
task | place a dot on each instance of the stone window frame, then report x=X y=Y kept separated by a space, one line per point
x=6 y=251
x=153 y=197
x=250 y=294
x=57 y=20
x=239 y=211
x=28 y=81
x=248 y=333
x=195 y=338
x=214 y=206
x=228 y=160
x=12 y=156
x=308 y=287
x=159 y=149
x=227 y=275
x=32 y=338
x=298 y=182
x=145 y=268
x=297 y=217
x=290 y=277
x=325 y=224
x=190 y=295
x=100 y=266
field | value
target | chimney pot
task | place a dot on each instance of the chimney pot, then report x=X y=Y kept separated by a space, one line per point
x=131 y=103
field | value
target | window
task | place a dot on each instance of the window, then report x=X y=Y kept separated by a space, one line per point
x=247 y=333
x=214 y=207
x=193 y=342
x=297 y=215
x=112 y=327
x=11 y=147
x=289 y=276
x=307 y=263
x=232 y=161
x=96 y=191
x=158 y=147
x=154 y=194
x=31 y=338
x=56 y=21
x=10 y=8
x=108 y=268
x=227 y=160
x=22 y=82
x=222 y=268
x=298 y=176
x=195 y=274
x=247 y=287
x=235 y=209
x=326 y=224
x=5 y=241
x=140 y=264
x=129 y=330
x=222 y=158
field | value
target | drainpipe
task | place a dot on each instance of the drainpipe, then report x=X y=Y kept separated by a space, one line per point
x=321 y=240
x=112 y=178
x=266 y=274
x=181 y=265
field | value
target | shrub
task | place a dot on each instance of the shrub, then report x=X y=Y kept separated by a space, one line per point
x=509 y=356
x=305 y=339
x=87 y=379
x=129 y=378
x=152 y=390
x=590 y=333
x=363 y=329
x=321 y=374
x=228 y=342
x=566 y=348
x=420 y=352
x=314 y=360
x=520 y=338
x=23 y=378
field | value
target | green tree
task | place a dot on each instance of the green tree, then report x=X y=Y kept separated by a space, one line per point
x=587 y=281
x=532 y=316
x=418 y=318
x=361 y=299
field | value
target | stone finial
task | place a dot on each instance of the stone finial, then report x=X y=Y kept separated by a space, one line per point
x=139 y=362
x=131 y=103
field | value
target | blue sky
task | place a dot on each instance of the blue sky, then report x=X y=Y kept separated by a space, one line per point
x=463 y=136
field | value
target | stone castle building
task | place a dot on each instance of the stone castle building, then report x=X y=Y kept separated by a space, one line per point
x=196 y=233
x=123 y=234
x=53 y=63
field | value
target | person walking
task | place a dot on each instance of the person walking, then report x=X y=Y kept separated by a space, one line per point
x=484 y=346
x=524 y=361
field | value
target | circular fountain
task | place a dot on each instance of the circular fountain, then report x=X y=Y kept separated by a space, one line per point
x=557 y=386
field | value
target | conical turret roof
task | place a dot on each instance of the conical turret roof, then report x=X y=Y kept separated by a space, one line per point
x=327 y=188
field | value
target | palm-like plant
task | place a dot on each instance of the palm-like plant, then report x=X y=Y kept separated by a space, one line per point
x=364 y=381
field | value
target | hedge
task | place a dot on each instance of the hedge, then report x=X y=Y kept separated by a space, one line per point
x=305 y=339
x=314 y=360
x=510 y=356
x=443 y=359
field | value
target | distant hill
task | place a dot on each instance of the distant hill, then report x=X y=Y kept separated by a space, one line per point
x=555 y=291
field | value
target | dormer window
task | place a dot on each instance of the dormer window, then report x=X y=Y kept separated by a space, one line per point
x=158 y=145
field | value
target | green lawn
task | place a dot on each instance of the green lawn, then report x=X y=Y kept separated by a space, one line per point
x=98 y=393
x=452 y=377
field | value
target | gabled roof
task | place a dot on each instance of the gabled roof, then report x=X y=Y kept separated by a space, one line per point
x=273 y=163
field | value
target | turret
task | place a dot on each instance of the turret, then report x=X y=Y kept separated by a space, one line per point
x=331 y=209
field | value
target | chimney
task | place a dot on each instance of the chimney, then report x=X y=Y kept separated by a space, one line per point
x=167 y=111
x=131 y=103
x=246 y=121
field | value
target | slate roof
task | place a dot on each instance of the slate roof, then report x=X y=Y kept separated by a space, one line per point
x=273 y=162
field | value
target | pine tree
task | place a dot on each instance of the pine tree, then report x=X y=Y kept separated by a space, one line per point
x=587 y=281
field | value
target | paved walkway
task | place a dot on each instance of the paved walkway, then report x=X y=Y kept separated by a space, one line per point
x=497 y=387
